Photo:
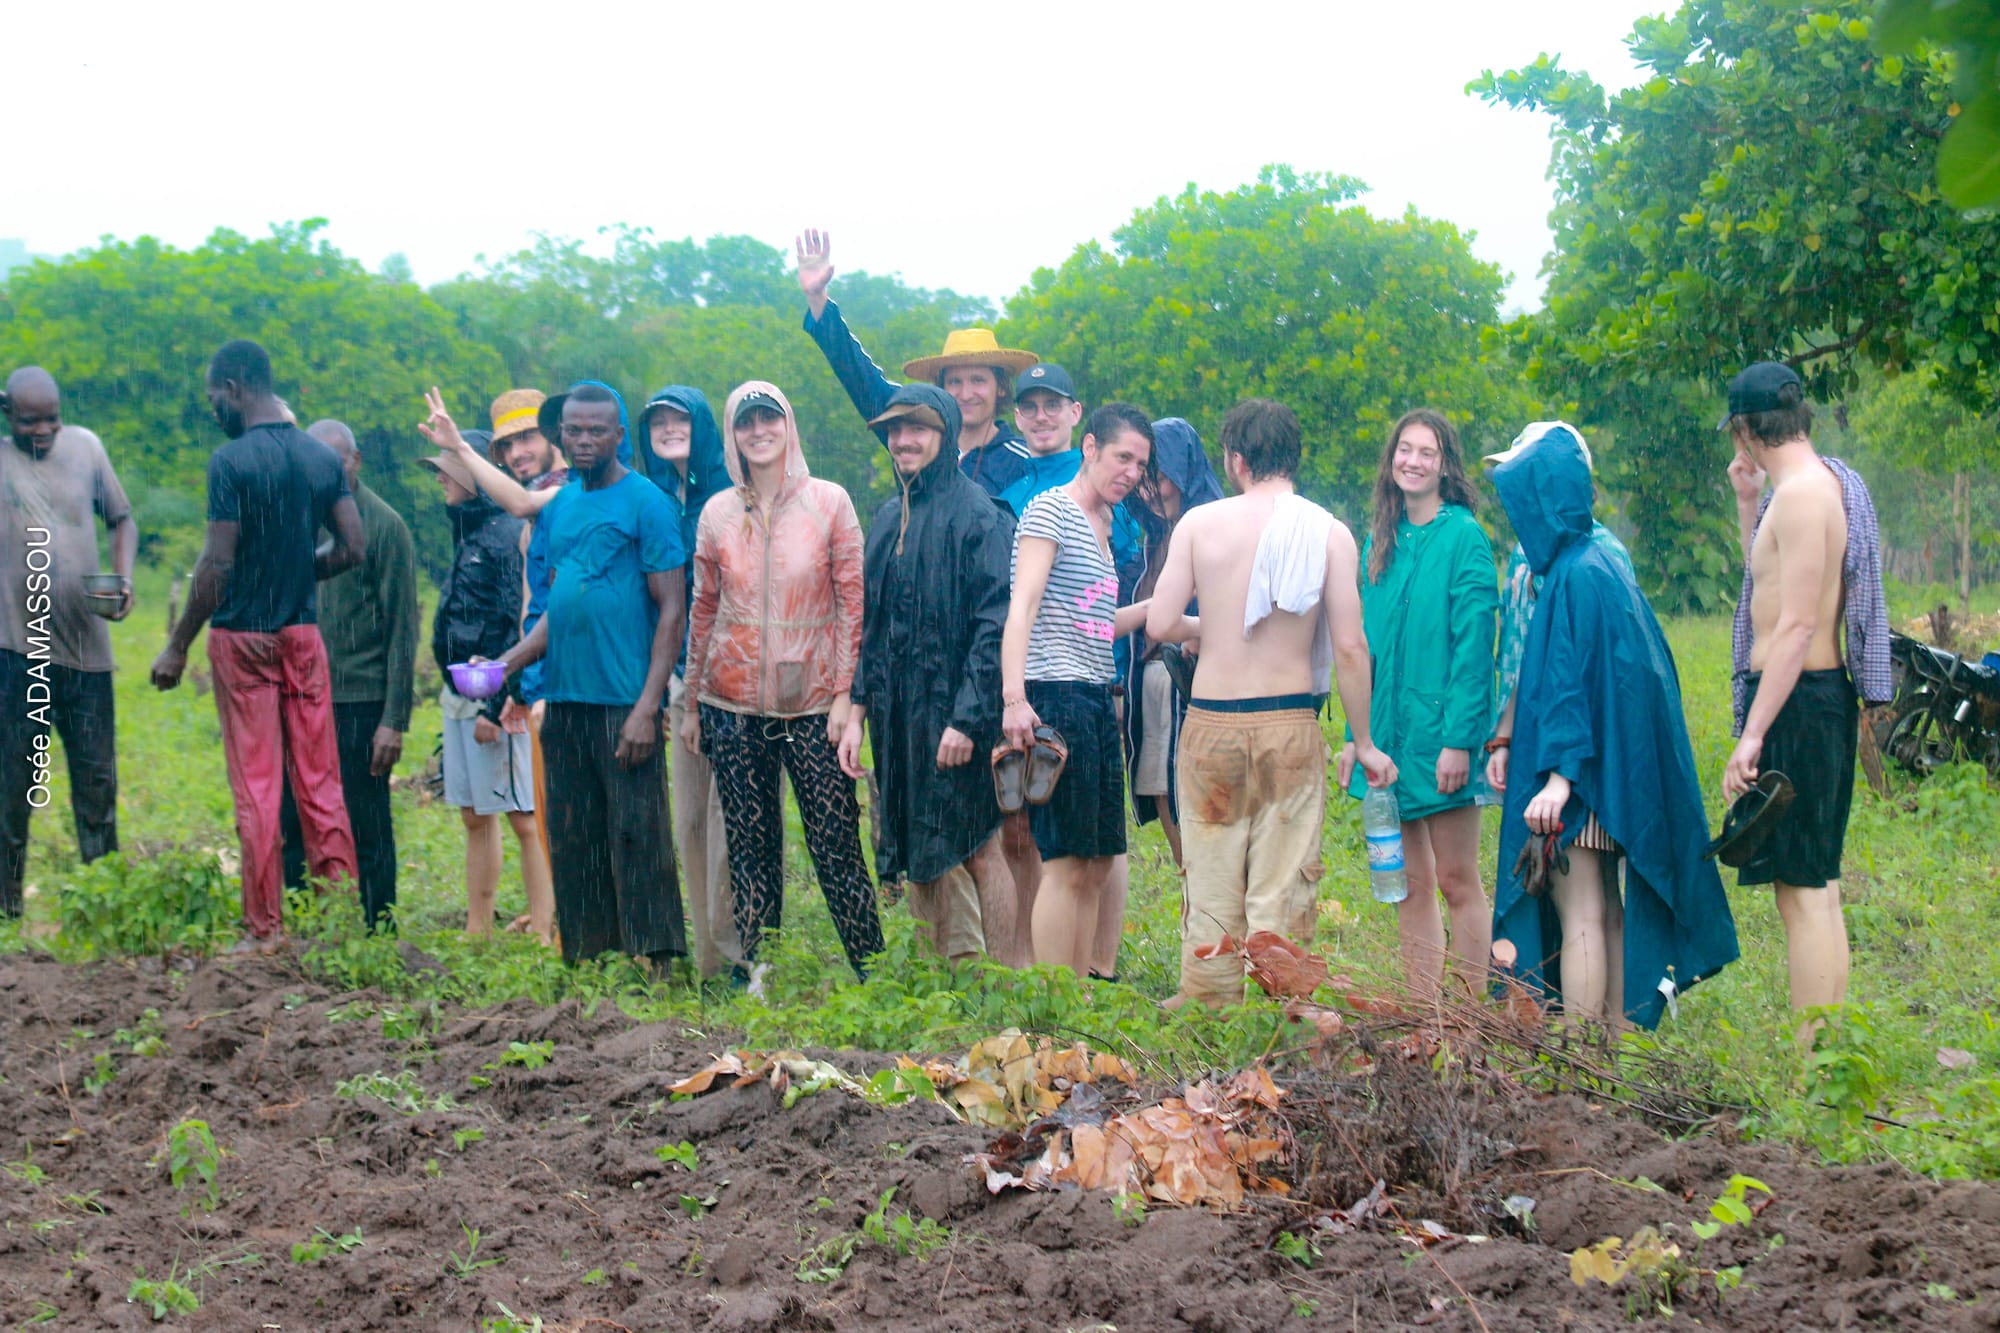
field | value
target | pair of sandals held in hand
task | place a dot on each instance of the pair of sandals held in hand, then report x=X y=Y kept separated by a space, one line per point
x=1745 y=828
x=1028 y=777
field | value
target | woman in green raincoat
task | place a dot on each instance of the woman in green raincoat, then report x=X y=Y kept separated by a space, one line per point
x=1428 y=600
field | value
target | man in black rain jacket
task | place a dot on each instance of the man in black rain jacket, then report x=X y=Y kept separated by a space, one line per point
x=488 y=769
x=935 y=579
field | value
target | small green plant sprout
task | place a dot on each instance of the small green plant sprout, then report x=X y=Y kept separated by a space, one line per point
x=461 y=1139
x=433 y=1168
x=402 y=1092
x=147 y=1038
x=916 y=1237
x=696 y=1207
x=103 y=1073
x=323 y=1243
x=1731 y=1209
x=463 y=1266
x=1652 y=1262
x=1938 y=1291
x=1297 y=1248
x=904 y=1083
x=193 y=1159
x=594 y=1278
x=354 y=1011
x=680 y=1154
x=45 y=1312
x=166 y=1297
x=525 y=1054
x=1129 y=1207
x=403 y=1024
x=25 y=1169
x=509 y=1322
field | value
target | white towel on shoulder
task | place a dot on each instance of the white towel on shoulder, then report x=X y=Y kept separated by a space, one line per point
x=1289 y=573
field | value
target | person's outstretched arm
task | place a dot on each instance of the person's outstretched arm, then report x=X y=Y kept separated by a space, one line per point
x=506 y=492
x=867 y=387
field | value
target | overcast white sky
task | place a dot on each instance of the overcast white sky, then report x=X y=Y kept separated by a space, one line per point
x=963 y=146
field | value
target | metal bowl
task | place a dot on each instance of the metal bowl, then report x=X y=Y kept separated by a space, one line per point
x=104 y=594
x=104 y=583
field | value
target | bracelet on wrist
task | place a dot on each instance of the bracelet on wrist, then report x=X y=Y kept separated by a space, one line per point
x=1006 y=702
x=1499 y=743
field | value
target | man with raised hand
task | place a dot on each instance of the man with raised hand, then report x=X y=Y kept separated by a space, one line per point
x=1813 y=564
x=368 y=618
x=935 y=589
x=56 y=482
x=1277 y=579
x=271 y=489
x=973 y=369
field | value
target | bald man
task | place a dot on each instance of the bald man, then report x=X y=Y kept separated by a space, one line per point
x=56 y=482
x=369 y=619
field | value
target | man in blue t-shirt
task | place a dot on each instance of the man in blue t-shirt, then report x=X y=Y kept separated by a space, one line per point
x=607 y=642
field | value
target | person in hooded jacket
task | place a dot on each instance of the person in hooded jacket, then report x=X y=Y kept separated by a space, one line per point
x=1153 y=707
x=927 y=683
x=1598 y=756
x=681 y=450
x=1428 y=599
x=487 y=762
x=772 y=643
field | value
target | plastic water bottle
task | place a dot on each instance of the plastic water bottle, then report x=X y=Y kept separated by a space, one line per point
x=1382 y=823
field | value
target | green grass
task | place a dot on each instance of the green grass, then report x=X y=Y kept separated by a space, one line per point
x=1923 y=868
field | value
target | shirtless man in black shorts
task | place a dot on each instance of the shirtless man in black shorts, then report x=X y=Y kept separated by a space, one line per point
x=1799 y=712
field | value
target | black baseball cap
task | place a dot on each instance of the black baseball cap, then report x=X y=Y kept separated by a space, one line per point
x=754 y=399
x=1766 y=386
x=1048 y=376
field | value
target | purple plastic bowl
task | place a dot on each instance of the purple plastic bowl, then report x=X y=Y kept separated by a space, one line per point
x=478 y=680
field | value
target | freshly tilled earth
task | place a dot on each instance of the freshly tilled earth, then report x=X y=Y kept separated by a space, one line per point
x=587 y=1228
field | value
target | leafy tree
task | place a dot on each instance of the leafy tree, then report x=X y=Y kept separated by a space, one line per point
x=1968 y=162
x=127 y=329
x=1285 y=289
x=1934 y=457
x=1767 y=192
x=711 y=314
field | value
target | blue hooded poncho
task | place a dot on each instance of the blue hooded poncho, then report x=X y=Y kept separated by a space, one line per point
x=1181 y=459
x=707 y=474
x=540 y=574
x=1599 y=701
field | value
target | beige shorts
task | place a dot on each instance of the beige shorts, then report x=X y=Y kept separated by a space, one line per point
x=1156 y=739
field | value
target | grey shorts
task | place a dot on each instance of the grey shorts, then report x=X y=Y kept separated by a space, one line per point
x=492 y=778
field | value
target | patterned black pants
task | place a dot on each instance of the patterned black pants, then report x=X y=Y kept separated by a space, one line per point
x=747 y=752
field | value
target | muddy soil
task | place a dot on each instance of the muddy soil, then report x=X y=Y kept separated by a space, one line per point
x=587 y=1228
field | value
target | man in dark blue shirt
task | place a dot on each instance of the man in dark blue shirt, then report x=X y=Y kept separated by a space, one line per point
x=270 y=491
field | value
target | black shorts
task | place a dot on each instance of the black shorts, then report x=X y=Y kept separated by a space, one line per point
x=1812 y=741
x=1086 y=815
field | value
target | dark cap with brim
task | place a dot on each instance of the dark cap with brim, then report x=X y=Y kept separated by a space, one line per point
x=1047 y=376
x=1767 y=386
x=756 y=399
x=921 y=413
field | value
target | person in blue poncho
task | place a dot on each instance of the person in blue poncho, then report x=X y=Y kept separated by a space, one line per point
x=680 y=448
x=1598 y=756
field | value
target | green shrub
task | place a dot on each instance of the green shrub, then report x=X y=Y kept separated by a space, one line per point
x=176 y=900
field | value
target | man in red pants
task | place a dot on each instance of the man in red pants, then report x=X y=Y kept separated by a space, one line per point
x=270 y=491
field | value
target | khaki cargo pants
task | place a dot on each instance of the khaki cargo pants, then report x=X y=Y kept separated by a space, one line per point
x=1253 y=800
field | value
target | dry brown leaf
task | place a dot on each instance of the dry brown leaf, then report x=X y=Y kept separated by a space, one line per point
x=730 y=1064
x=1226 y=945
x=1106 y=1065
x=1255 y=1086
x=1281 y=967
x=1326 y=1022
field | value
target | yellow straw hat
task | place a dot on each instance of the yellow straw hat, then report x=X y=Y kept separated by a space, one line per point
x=970 y=347
x=513 y=412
